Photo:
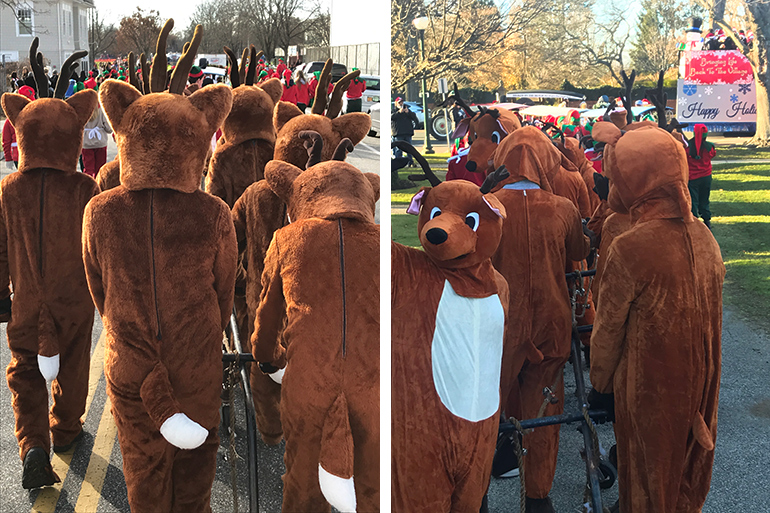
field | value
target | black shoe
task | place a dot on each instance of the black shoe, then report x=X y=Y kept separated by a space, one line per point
x=37 y=470
x=65 y=448
x=505 y=464
x=539 y=505
x=484 y=505
x=615 y=508
x=707 y=223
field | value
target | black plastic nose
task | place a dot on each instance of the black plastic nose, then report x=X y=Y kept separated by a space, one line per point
x=436 y=236
x=470 y=166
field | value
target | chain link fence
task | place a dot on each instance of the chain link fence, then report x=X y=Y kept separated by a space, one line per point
x=365 y=57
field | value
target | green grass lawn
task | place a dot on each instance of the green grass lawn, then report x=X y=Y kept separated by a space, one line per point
x=741 y=152
x=740 y=204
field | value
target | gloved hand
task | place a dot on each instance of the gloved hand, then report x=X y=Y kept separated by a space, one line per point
x=9 y=165
x=601 y=185
x=5 y=309
x=590 y=234
x=598 y=401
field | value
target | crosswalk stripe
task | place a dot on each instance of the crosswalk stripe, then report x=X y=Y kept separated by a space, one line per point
x=91 y=489
x=49 y=496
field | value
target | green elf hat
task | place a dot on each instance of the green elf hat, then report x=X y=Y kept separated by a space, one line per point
x=317 y=75
x=356 y=80
x=195 y=73
x=262 y=74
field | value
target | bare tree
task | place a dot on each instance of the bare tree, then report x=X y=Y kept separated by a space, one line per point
x=102 y=37
x=139 y=32
x=461 y=36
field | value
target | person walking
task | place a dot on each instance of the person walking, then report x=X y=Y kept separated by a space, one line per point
x=10 y=147
x=402 y=123
x=355 y=94
x=302 y=89
x=95 y=143
x=699 y=155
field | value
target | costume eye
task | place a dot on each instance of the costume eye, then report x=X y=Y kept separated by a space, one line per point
x=472 y=220
x=496 y=137
x=435 y=212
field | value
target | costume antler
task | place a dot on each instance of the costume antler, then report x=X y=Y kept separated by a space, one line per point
x=133 y=79
x=242 y=67
x=459 y=101
x=493 y=178
x=629 y=82
x=610 y=108
x=427 y=171
x=252 y=71
x=37 y=70
x=158 y=74
x=145 y=75
x=68 y=67
x=548 y=124
x=659 y=99
x=314 y=144
x=335 y=104
x=183 y=67
x=235 y=77
x=343 y=148
x=319 y=104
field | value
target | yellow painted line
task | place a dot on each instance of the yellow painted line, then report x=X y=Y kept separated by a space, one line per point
x=49 y=496
x=91 y=490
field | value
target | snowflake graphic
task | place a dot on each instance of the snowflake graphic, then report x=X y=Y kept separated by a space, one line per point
x=709 y=90
x=733 y=98
x=744 y=88
x=682 y=101
x=689 y=89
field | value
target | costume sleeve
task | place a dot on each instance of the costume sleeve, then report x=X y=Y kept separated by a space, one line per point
x=105 y=124
x=91 y=260
x=578 y=245
x=239 y=220
x=5 y=274
x=271 y=312
x=617 y=292
x=8 y=133
x=225 y=264
x=213 y=182
x=584 y=202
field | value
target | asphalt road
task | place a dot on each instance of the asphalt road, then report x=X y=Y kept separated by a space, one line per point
x=92 y=478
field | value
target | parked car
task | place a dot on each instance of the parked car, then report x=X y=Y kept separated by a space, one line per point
x=371 y=94
x=338 y=70
x=374 y=113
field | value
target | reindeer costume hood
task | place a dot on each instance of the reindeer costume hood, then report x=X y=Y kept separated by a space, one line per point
x=163 y=352
x=321 y=276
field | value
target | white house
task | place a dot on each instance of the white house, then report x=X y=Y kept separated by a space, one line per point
x=62 y=27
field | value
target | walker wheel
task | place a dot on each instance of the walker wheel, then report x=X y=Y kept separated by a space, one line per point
x=608 y=474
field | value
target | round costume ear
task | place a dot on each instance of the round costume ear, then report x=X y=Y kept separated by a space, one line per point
x=354 y=126
x=13 y=104
x=273 y=88
x=606 y=132
x=417 y=200
x=284 y=111
x=495 y=205
x=280 y=176
x=115 y=97
x=215 y=103
x=84 y=103
x=374 y=180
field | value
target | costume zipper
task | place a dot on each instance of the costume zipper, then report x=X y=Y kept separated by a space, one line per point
x=344 y=299
x=40 y=226
x=152 y=250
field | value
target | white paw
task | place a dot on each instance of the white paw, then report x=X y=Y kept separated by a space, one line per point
x=180 y=431
x=339 y=492
x=277 y=376
x=49 y=366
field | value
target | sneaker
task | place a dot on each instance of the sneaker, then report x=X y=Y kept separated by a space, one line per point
x=505 y=464
x=67 y=447
x=37 y=470
x=539 y=505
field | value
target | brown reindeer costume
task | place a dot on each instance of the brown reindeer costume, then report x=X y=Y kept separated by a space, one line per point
x=322 y=276
x=160 y=259
x=656 y=343
x=540 y=237
x=49 y=332
x=260 y=212
x=449 y=309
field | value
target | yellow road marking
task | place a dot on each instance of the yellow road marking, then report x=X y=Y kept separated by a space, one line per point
x=91 y=490
x=48 y=497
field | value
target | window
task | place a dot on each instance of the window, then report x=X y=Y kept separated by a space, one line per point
x=24 y=20
x=66 y=20
x=83 y=27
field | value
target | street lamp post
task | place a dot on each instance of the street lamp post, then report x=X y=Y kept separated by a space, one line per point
x=421 y=24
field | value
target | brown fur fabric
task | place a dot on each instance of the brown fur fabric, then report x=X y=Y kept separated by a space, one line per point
x=657 y=338
x=572 y=150
x=322 y=276
x=538 y=345
x=164 y=320
x=40 y=228
x=486 y=130
x=109 y=175
x=442 y=448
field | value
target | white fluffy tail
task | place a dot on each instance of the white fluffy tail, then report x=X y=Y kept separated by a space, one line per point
x=338 y=491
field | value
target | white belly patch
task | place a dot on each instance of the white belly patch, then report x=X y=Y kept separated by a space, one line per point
x=467 y=352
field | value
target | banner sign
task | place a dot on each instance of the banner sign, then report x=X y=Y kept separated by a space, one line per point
x=717 y=67
x=717 y=103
